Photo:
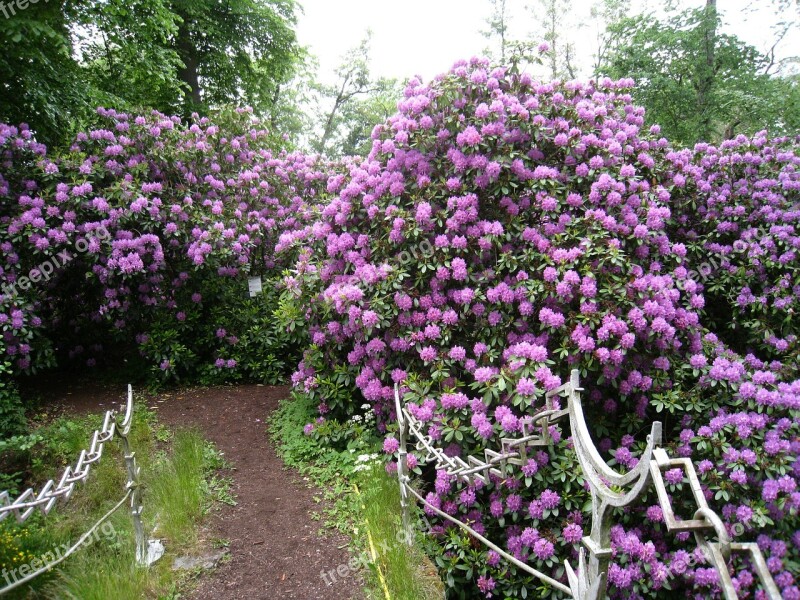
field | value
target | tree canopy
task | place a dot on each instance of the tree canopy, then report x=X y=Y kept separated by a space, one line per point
x=698 y=83
x=61 y=61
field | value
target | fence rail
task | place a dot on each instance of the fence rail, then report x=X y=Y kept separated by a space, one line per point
x=590 y=580
x=147 y=551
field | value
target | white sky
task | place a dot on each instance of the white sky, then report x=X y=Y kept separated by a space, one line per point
x=425 y=37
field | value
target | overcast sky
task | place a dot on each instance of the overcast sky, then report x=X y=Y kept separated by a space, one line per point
x=425 y=37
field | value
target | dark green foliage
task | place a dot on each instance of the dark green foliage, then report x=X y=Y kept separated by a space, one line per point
x=39 y=81
x=268 y=342
x=12 y=416
x=62 y=60
x=235 y=52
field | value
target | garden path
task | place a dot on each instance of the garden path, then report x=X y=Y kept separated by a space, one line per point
x=275 y=550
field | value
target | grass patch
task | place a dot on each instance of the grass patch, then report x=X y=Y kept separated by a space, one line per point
x=407 y=572
x=340 y=468
x=180 y=485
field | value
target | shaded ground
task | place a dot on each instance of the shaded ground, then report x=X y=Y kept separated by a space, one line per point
x=59 y=393
x=274 y=549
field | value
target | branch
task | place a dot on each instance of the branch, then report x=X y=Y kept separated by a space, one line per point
x=771 y=51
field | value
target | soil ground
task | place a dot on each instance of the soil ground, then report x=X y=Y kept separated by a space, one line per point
x=274 y=546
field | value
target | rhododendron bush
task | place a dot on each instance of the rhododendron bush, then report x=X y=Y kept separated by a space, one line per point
x=737 y=207
x=503 y=232
x=140 y=236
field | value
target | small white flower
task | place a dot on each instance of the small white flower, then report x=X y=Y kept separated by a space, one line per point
x=367 y=457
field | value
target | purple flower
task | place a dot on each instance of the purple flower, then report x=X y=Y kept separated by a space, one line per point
x=428 y=353
x=572 y=533
x=486 y=585
x=469 y=137
x=543 y=549
x=529 y=536
x=391 y=445
x=674 y=476
x=514 y=502
x=457 y=353
x=369 y=318
x=526 y=387
x=484 y=374
x=549 y=499
x=698 y=361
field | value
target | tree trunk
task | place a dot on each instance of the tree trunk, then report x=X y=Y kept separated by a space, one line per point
x=188 y=74
x=503 y=31
x=708 y=68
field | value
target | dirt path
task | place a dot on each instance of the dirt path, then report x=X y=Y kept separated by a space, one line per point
x=275 y=551
x=274 y=547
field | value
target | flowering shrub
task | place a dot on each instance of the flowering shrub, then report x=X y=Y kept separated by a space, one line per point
x=12 y=417
x=140 y=237
x=736 y=206
x=501 y=233
x=556 y=244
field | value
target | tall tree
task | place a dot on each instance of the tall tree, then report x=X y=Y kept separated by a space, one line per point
x=603 y=13
x=554 y=19
x=63 y=59
x=124 y=50
x=235 y=52
x=516 y=54
x=39 y=79
x=707 y=71
x=288 y=116
x=352 y=106
x=498 y=22
x=696 y=82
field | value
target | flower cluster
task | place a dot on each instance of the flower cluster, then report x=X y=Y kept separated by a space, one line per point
x=738 y=212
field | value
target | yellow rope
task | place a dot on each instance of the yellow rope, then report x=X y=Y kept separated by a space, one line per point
x=372 y=551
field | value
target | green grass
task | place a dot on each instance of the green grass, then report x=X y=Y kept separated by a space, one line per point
x=180 y=485
x=407 y=572
x=177 y=491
